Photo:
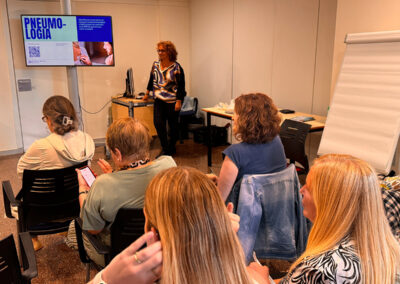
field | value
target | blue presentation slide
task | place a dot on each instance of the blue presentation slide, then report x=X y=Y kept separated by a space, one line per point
x=55 y=40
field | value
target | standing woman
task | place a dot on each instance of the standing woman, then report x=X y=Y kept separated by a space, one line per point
x=167 y=81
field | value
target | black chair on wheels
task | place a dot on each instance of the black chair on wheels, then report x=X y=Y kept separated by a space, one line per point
x=10 y=268
x=187 y=113
x=293 y=135
x=47 y=202
x=127 y=227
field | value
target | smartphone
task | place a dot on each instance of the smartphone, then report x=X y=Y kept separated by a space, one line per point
x=88 y=175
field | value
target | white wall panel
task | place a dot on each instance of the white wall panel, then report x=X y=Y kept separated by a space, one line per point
x=46 y=81
x=211 y=56
x=253 y=46
x=9 y=117
x=294 y=53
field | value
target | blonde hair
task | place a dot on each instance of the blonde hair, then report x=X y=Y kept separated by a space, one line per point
x=199 y=244
x=131 y=137
x=348 y=201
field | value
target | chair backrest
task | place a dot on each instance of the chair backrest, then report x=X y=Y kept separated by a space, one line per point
x=49 y=195
x=9 y=265
x=126 y=228
x=195 y=104
x=189 y=106
x=293 y=135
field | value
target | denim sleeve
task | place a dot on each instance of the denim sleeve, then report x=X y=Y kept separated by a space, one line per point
x=250 y=211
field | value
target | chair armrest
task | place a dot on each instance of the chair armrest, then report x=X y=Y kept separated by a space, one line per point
x=8 y=198
x=94 y=241
x=28 y=256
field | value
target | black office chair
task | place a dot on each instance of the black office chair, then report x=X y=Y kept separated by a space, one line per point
x=47 y=202
x=187 y=113
x=293 y=135
x=127 y=227
x=10 y=268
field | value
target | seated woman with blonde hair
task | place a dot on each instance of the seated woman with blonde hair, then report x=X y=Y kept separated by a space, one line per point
x=184 y=208
x=350 y=241
x=192 y=229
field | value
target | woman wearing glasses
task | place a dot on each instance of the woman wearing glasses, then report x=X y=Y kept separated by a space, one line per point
x=167 y=81
x=64 y=147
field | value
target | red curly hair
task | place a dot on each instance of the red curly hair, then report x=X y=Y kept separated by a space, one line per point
x=170 y=49
x=258 y=119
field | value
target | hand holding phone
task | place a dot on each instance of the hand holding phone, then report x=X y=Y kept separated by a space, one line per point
x=88 y=175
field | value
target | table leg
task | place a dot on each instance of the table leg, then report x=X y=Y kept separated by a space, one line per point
x=209 y=158
x=131 y=109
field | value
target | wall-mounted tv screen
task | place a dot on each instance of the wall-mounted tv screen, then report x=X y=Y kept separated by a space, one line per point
x=58 y=40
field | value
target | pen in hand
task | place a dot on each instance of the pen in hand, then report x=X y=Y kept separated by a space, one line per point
x=255 y=258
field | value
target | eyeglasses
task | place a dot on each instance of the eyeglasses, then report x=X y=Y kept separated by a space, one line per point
x=161 y=50
x=44 y=118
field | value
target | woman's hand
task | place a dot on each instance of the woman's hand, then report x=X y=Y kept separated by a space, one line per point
x=146 y=96
x=83 y=186
x=259 y=273
x=235 y=219
x=132 y=266
x=105 y=166
x=178 y=105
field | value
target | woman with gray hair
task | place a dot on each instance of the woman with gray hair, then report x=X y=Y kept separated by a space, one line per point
x=129 y=144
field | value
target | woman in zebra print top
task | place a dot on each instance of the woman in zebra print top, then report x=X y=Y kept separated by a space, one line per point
x=350 y=241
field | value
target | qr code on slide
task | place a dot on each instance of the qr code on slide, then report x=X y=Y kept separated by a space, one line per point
x=34 y=51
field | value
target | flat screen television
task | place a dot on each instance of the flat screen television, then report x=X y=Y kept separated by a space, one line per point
x=68 y=40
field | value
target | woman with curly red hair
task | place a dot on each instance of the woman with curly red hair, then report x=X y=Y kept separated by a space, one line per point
x=256 y=123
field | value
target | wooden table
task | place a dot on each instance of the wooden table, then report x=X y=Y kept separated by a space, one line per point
x=316 y=125
x=138 y=108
